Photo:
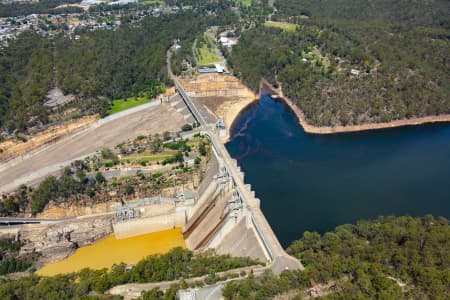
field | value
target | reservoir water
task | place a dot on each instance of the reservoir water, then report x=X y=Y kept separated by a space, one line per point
x=317 y=182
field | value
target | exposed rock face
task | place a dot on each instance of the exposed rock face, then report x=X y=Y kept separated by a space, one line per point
x=66 y=210
x=215 y=85
x=58 y=240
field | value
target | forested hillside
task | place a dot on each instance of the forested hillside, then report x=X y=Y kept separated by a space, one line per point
x=342 y=68
x=92 y=284
x=388 y=258
x=424 y=13
x=100 y=66
x=36 y=7
x=25 y=77
x=120 y=63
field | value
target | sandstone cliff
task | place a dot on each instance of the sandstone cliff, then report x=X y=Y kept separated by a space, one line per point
x=58 y=240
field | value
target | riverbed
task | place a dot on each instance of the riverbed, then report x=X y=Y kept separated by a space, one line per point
x=109 y=251
x=317 y=182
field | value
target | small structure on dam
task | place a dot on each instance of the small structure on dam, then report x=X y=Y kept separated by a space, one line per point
x=218 y=219
x=221 y=221
x=148 y=215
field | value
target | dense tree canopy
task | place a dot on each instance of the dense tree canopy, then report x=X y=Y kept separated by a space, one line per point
x=176 y=264
x=433 y=12
x=100 y=66
x=25 y=77
x=23 y=8
x=10 y=261
x=388 y=258
x=342 y=69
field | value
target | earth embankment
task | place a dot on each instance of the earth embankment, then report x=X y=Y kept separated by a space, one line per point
x=31 y=169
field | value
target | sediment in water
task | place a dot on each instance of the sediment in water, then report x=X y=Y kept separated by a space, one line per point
x=108 y=251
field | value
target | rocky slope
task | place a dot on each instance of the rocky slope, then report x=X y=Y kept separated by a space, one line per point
x=58 y=240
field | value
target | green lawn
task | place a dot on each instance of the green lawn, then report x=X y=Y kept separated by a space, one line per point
x=246 y=3
x=204 y=51
x=123 y=104
x=147 y=157
x=150 y=2
x=283 y=25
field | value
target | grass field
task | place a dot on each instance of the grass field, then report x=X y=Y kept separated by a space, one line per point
x=283 y=25
x=204 y=51
x=147 y=157
x=150 y=2
x=246 y=3
x=123 y=104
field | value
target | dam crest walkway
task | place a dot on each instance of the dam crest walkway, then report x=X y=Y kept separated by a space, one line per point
x=278 y=259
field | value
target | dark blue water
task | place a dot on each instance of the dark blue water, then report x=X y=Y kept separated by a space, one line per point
x=316 y=182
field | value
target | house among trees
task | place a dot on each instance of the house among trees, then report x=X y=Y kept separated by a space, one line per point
x=354 y=72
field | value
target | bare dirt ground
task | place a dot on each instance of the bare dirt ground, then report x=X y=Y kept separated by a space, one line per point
x=226 y=108
x=56 y=97
x=223 y=96
x=154 y=119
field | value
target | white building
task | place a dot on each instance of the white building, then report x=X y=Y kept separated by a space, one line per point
x=219 y=68
x=227 y=42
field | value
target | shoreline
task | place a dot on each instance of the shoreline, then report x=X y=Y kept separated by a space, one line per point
x=311 y=129
x=234 y=112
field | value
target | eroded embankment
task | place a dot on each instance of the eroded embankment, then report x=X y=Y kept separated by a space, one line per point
x=223 y=96
x=57 y=241
x=153 y=118
x=265 y=85
x=12 y=148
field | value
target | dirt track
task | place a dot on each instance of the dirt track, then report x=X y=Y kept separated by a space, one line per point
x=157 y=118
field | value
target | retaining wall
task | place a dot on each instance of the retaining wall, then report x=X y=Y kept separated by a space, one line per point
x=142 y=226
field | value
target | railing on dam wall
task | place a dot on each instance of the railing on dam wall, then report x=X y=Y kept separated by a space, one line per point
x=241 y=195
x=277 y=256
x=140 y=226
x=261 y=237
x=227 y=162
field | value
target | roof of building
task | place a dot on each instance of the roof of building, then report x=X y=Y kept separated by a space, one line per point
x=219 y=68
x=207 y=70
x=188 y=194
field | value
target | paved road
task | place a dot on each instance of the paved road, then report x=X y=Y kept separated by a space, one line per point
x=209 y=292
x=16 y=221
x=280 y=260
x=153 y=119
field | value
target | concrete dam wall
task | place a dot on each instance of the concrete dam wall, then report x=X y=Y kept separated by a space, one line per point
x=152 y=224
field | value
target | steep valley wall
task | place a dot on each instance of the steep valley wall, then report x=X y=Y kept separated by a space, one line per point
x=58 y=240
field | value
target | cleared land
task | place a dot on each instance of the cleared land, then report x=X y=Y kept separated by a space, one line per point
x=151 y=2
x=282 y=25
x=221 y=96
x=147 y=157
x=154 y=119
x=11 y=148
x=205 y=52
x=123 y=104
x=246 y=3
